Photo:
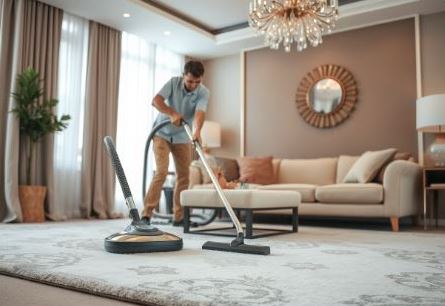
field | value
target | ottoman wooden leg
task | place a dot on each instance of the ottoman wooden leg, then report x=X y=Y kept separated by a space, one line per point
x=186 y=219
x=295 y=219
x=249 y=222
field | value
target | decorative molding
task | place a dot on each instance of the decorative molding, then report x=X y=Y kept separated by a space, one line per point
x=242 y=31
x=176 y=14
x=160 y=10
x=361 y=7
x=231 y=28
x=243 y=104
x=418 y=56
x=234 y=36
x=420 y=139
x=249 y=33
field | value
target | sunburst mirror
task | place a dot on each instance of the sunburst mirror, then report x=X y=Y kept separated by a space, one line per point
x=326 y=96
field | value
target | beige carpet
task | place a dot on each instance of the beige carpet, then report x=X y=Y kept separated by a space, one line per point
x=317 y=266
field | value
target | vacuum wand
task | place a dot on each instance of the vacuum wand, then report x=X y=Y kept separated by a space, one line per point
x=240 y=233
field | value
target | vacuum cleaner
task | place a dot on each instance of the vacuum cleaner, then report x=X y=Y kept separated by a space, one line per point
x=139 y=237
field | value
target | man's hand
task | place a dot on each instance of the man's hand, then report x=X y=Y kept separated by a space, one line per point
x=159 y=104
x=175 y=118
x=197 y=136
x=198 y=123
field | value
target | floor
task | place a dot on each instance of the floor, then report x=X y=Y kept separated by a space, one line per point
x=12 y=294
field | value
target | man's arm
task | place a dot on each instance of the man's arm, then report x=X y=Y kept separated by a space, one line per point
x=198 y=123
x=159 y=103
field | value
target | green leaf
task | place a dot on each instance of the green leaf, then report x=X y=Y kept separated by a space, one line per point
x=36 y=116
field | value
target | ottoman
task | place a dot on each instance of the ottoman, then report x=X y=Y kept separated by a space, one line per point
x=247 y=200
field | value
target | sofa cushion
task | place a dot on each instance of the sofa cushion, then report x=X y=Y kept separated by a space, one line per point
x=344 y=164
x=256 y=170
x=368 y=165
x=306 y=191
x=320 y=171
x=398 y=156
x=370 y=193
x=250 y=199
x=210 y=186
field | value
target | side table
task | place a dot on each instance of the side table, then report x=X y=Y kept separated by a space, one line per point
x=433 y=182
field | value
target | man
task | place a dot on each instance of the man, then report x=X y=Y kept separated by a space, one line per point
x=180 y=98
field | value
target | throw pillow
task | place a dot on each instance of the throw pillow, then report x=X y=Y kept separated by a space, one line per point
x=368 y=165
x=398 y=156
x=229 y=167
x=256 y=170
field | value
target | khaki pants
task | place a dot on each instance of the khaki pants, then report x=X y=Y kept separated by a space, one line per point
x=182 y=158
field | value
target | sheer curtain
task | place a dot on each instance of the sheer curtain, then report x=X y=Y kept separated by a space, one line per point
x=135 y=116
x=168 y=64
x=144 y=69
x=68 y=144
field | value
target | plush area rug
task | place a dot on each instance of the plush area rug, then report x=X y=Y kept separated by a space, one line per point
x=316 y=266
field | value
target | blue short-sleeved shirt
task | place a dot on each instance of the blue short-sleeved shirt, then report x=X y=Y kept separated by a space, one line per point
x=184 y=102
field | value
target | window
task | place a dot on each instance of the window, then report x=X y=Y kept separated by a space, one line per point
x=144 y=69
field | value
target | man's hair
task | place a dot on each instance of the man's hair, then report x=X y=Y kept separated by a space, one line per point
x=195 y=68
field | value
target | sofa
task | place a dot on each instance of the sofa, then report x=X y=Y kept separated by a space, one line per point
x=323 y=193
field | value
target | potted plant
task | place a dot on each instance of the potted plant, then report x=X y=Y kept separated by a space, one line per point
x=36 y=120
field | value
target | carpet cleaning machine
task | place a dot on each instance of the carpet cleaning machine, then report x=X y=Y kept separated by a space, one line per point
x=139 y=237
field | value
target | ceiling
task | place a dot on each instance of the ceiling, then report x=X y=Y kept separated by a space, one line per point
x=213 y=16
x=212 y=28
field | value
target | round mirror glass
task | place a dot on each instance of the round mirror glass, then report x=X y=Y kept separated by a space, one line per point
x=325 y=96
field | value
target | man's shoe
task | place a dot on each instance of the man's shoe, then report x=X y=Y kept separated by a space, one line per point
x=146 y=220
x=178 y=223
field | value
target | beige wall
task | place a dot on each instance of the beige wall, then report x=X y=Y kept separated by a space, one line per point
x=432 y=41
x=222 y=77
x=382 y=60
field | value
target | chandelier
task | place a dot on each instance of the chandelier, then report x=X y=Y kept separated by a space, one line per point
x=289 y=21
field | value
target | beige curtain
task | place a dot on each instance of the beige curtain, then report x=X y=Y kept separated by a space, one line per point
x=100 y=120
x=40 y=41
x=9 y=205
x=37 y=46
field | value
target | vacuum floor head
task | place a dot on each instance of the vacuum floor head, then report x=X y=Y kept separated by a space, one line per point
x=138 y=237
x=241 y=248
x=142 y=238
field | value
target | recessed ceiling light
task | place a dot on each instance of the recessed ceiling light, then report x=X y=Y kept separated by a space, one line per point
x=167 y=33
x=126 y=15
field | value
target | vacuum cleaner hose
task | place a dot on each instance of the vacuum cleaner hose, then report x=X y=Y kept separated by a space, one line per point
x=117 y=166
x=147 y=147
x=121 y=177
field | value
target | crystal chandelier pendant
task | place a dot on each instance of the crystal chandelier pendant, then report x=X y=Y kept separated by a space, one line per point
x=293 y=21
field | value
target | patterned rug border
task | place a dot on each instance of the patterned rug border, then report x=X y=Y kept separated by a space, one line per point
x=89 y=286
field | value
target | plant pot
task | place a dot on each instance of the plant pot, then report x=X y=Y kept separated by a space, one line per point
x=32 y=199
